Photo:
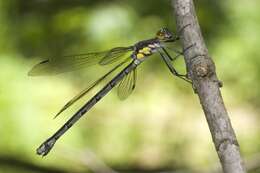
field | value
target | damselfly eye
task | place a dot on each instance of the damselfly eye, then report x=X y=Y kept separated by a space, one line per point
x=160 y=34
x=164 y=34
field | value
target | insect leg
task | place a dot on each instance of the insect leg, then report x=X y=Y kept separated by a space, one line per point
x=165 y=57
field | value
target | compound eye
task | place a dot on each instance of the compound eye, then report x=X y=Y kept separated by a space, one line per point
x=160 y=35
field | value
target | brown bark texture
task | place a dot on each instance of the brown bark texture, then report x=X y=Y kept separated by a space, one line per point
x=201 y=70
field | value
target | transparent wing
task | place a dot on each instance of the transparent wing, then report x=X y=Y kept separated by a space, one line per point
x=175 y=49
x=65 y=64
x=75 y=62
x=89 y=88
x=127 y=85
x=114 y=54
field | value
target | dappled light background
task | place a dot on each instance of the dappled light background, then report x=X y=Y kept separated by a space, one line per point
x=161 y=126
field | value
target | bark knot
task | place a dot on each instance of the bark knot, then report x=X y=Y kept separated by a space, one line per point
x=201 y=71
x=202 y=66
x=223 y=144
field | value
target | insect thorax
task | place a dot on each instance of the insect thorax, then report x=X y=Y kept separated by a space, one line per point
x=146 y=48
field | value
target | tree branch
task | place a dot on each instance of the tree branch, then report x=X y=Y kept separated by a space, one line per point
x=201 y=70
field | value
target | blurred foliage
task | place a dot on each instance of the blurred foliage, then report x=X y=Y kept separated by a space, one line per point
x=161 y=126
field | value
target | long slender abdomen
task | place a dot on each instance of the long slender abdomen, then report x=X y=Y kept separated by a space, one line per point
x=45 y=148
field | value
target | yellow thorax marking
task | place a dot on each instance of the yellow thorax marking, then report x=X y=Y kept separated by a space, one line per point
x=140 y=55
x=145 y=50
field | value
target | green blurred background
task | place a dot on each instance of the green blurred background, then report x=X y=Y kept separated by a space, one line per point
x=160 y=127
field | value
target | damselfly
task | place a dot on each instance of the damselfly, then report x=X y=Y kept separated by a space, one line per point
x=125 y=79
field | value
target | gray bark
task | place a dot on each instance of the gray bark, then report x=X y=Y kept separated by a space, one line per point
x=201 y=70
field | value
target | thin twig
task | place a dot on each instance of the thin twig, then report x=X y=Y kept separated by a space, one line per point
x=201 y=70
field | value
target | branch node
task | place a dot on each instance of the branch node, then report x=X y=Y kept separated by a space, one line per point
x=201 y=71
x=223 y=144
x=201 y=68
x=220 y=83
